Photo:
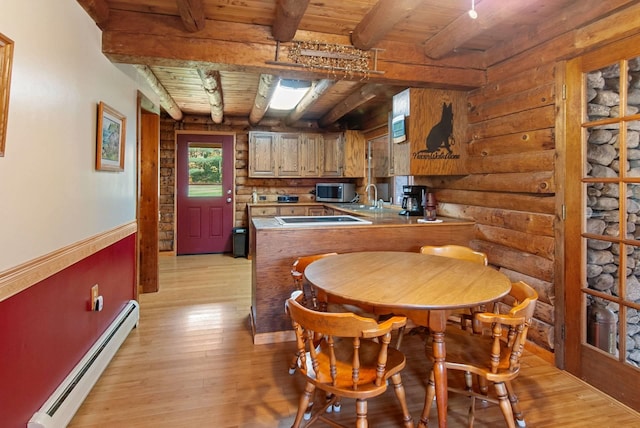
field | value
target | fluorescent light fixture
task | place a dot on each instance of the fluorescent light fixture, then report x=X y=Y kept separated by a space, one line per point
x=288 y=94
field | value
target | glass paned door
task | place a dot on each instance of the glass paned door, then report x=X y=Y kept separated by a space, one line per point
x=612 y=210
x=601 y=108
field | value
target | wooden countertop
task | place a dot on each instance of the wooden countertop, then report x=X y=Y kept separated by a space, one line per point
x=389 y=216
x=377 y=220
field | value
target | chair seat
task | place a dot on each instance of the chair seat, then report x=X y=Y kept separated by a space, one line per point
x=369 y=352
x=492 y=353
x=471 y=352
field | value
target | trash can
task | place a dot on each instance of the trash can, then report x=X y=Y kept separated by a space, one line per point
x=240 y=242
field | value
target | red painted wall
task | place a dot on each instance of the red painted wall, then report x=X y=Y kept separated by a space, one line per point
x=46 y=329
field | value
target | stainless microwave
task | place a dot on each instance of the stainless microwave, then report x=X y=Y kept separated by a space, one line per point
x=335 y=192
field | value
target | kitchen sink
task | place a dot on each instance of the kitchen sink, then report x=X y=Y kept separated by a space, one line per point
x=362 y=208
x=321 y=220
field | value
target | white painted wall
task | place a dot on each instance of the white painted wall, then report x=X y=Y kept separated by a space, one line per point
x=50 y=193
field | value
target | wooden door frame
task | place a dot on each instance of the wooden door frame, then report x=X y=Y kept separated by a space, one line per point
x=560 y=216
x=147 y=201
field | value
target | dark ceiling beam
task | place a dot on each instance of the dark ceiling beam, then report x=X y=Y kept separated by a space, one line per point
x=266 y=87
x=166 y=101
x=98 y=10
x=213 y=88
x=315 y=92
x=356 y=99
x=289 y=13
x=463 y=28
x=380 y=19
x=192 y=14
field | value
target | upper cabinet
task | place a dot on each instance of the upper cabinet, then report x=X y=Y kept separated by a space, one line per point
x=263 y=149
x=310 y=155
x=354 y=159
x=436 y=126
x=332 y=155
x=273 y=154
x=288 y=156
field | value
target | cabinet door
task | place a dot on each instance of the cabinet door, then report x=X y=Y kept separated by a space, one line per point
x=380 y=159
x=401 y=159
x=262 y=152
x=309 y=146
x=288 y=155
x=332 y=155
x=354 y=159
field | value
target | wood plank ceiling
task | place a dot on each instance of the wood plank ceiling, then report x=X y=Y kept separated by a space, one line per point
x=222 y=58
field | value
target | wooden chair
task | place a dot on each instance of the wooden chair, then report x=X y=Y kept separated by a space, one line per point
x=309 y=298
x=345 y=355
x=458 y=252
x=492 y=357
x=297 y=273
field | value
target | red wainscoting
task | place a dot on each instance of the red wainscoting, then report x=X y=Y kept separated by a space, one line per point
x=47 y=328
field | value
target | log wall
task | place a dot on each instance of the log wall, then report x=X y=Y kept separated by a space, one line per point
x=514 y=165
x=510 y=187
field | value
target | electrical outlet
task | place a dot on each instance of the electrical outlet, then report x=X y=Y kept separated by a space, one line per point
x=95 y=292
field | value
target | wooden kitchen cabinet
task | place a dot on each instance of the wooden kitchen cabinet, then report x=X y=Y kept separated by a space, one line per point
x=274 y=154
x=278 y=209
x=288 y=157
x=332 y=155
x=354 y=154
x=263 y=211
x=318 y=210
x=309 y=155
x=292 y=210
x=381 y=156
x=262 y=154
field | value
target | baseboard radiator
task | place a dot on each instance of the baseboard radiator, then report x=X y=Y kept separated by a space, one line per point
x=58 y=410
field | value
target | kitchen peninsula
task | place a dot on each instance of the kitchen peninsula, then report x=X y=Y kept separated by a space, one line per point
x=274 y=247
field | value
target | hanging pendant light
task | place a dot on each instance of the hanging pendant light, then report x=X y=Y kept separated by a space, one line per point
x=472 y=12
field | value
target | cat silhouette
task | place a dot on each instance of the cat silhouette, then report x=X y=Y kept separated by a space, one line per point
x=442 y=132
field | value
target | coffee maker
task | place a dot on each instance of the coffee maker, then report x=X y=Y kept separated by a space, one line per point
x=413 y=200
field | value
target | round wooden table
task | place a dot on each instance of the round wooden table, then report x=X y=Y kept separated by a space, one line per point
x=423 y=287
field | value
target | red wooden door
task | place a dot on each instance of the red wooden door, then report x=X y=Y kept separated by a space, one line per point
x=204 y=193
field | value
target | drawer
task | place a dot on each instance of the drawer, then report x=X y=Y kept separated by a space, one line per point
x=317 y=211
x=292 y=210
x=264 y=211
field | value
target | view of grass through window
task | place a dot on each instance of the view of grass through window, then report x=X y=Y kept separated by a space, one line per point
x=205 y=170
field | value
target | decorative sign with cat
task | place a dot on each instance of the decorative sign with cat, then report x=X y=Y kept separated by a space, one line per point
x=440 y=138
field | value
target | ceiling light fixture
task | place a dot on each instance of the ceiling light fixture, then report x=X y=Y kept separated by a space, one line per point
x=288 y=94
x=472 y=12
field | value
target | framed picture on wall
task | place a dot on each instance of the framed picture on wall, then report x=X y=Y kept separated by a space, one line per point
x=6 y=58
x=110 y=139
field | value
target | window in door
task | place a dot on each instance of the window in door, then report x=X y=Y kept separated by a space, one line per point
x=205 y=170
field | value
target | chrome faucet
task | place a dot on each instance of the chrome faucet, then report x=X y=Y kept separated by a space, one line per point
x=373 y=201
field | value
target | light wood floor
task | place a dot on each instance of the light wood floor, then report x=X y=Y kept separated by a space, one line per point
x=191 y=363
